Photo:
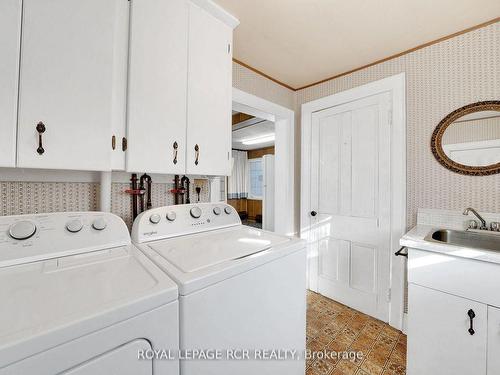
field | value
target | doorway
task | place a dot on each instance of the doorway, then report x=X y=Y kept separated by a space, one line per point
x=285 y=192
x=353 y=196
x=250 y=187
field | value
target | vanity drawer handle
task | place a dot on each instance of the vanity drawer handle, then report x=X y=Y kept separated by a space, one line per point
x=472 y=315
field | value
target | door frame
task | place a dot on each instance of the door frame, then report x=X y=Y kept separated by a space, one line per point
x=396 y=85
x=284 y=187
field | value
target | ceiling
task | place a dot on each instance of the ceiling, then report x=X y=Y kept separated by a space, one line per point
x=299 y=42
x=259 y=129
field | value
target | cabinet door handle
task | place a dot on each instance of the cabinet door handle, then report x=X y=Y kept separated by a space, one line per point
x=472 y=315
x=40 y=128
x=313 y=213
x=197 y=154
x=176 y=146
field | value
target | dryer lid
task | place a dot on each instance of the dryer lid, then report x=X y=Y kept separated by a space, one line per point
x=203 y=250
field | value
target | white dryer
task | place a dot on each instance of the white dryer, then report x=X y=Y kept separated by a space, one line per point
x=77 y=298
x=241 y=290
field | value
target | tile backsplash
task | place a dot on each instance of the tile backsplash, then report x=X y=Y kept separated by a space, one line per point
x=18 y=198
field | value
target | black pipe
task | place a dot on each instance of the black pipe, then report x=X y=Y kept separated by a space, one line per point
x=185 y=180
x=148 y=179
x=133 y=181
x=176 y=189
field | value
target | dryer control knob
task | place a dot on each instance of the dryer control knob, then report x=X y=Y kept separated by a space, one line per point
x=228 y=210
x=74 y=226
x=99 y=224
x=155 y=218
x=195 y=212
x=22 y=230
x=217 y=210
x=171 y=216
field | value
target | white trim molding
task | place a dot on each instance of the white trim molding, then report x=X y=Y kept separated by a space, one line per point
x=396 y=85
x=284 y=120
x=218 y=12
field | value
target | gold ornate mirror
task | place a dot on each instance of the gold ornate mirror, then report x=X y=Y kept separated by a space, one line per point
x=467 y=141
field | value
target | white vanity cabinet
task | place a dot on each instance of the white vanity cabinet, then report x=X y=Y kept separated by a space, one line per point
x=180 y=82
x=68 y=83
x=447 y=297
x=10 y=38
x=438 y=337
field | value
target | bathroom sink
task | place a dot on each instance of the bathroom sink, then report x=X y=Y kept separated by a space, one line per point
x=487 y=241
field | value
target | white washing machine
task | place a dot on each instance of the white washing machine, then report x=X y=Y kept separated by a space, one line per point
x=240 y=289
x=77 y=298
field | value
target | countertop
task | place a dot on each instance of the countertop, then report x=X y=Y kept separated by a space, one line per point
x=415 y=239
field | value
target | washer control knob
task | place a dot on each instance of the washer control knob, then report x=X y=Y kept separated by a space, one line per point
x=171 y=216
x=228 y=210
x=99 y=224
x=74 y=226
x=22 y=230
x=155 y=218
x=217 y=210
x=195 y=212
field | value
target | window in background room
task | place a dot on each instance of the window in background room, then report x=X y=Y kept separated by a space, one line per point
x=256 y=178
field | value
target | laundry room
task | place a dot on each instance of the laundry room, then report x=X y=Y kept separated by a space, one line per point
x=212 y=187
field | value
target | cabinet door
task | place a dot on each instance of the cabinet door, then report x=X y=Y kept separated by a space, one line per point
x=157 y=86
x=493 y=341
x=10 y=38
x=67 y=83
x=438 y=338
x=209 y=94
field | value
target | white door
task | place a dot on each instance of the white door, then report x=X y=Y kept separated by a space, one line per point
x=493 y=341
x=157 y=86
x=268 y=200
x=209 y=94
x=439 y=341
x=350 y=203
x=67 y=83
x=10 y=39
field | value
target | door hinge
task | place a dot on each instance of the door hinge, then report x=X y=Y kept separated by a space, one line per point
x=228 y=155
x=388 y=297
x=229 y=48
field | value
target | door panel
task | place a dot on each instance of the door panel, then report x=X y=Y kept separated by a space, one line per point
x=10 y=39
x=438 y=337
x=209 y=94
x=157 y=86
x=493 y=341
x=67 y=82
x=350 y=190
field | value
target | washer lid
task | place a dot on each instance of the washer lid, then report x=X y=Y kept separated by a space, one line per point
x=57 y=300
x=196 y=252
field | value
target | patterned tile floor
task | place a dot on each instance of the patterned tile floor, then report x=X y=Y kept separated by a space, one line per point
x=332 y=326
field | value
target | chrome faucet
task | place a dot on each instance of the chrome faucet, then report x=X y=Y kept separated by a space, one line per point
x=483 y=222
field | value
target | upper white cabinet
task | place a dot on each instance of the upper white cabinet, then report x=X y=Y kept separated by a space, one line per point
x=68 y=83
x=10 y=32
x=157 y=86
x=209 y=94
x=179 y=93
